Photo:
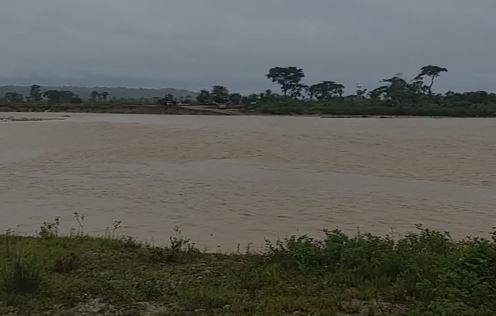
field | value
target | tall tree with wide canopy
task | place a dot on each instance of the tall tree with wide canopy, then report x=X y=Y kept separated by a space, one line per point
x=326 y=90
x=432 y=72
x=398 y=90
x=220 y=94
x=289 y=78
x=204 y=97
x=35 y=93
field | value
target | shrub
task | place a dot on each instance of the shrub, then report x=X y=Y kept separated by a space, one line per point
x=21 y=276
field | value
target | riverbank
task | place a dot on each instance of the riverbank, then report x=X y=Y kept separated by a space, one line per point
x=291 y=107
x=122 y=109
x=425 y=273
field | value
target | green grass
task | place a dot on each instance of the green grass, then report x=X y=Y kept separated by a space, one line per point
x=423 y=273
x=21 y=275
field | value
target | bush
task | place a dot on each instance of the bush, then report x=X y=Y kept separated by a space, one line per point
x=442 y=276
x=21 y=276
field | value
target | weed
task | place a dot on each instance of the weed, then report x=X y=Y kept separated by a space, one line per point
x=8 y=238
x=50 y=229
x=111 y=232
x=80 y=222
x=179 y=249
x=422 y=273
x=130 y=242
x=21 y=275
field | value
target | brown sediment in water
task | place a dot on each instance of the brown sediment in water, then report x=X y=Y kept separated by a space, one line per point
x=230 y=180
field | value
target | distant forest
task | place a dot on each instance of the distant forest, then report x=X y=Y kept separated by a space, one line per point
x=74 y=94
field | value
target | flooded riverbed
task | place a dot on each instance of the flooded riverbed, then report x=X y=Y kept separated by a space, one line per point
x=226 y=181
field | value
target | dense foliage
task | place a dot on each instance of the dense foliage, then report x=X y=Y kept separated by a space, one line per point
x=397 y=96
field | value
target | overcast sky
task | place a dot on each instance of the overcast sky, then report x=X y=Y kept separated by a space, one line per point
x=194 y=44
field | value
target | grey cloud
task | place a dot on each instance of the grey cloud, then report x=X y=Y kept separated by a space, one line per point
x=197 y=43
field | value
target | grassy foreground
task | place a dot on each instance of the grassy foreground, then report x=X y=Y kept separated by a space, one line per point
x=424 y=273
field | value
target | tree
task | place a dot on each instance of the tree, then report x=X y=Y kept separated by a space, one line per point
x=59 y=97
x=398 y=90
x=104 y=95
x=94 y=96
x=53 y=96
x=220 y=94
x=235 y=98
x=299 y=90
x=76 y=100
x=35 y=93
x=13 y=97
x=378 y=93
x=66 y=96
x=326 y=90
x=251 y=99
x=360 y=92
x=169 y=99
x=288 y=78
x=432 y=72
x=204 y=97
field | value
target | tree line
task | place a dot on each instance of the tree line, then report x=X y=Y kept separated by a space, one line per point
x=396 y=89
x=290 y=82
x=37 y=96
x=396 y=95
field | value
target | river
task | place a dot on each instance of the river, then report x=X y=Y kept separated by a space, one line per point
x=229 y=181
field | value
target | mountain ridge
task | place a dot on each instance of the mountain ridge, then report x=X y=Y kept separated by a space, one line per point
x=117 y=92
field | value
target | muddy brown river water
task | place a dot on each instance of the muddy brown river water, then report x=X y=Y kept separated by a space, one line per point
x=226 y=181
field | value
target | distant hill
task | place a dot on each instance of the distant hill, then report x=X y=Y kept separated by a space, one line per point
x=117 y=92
